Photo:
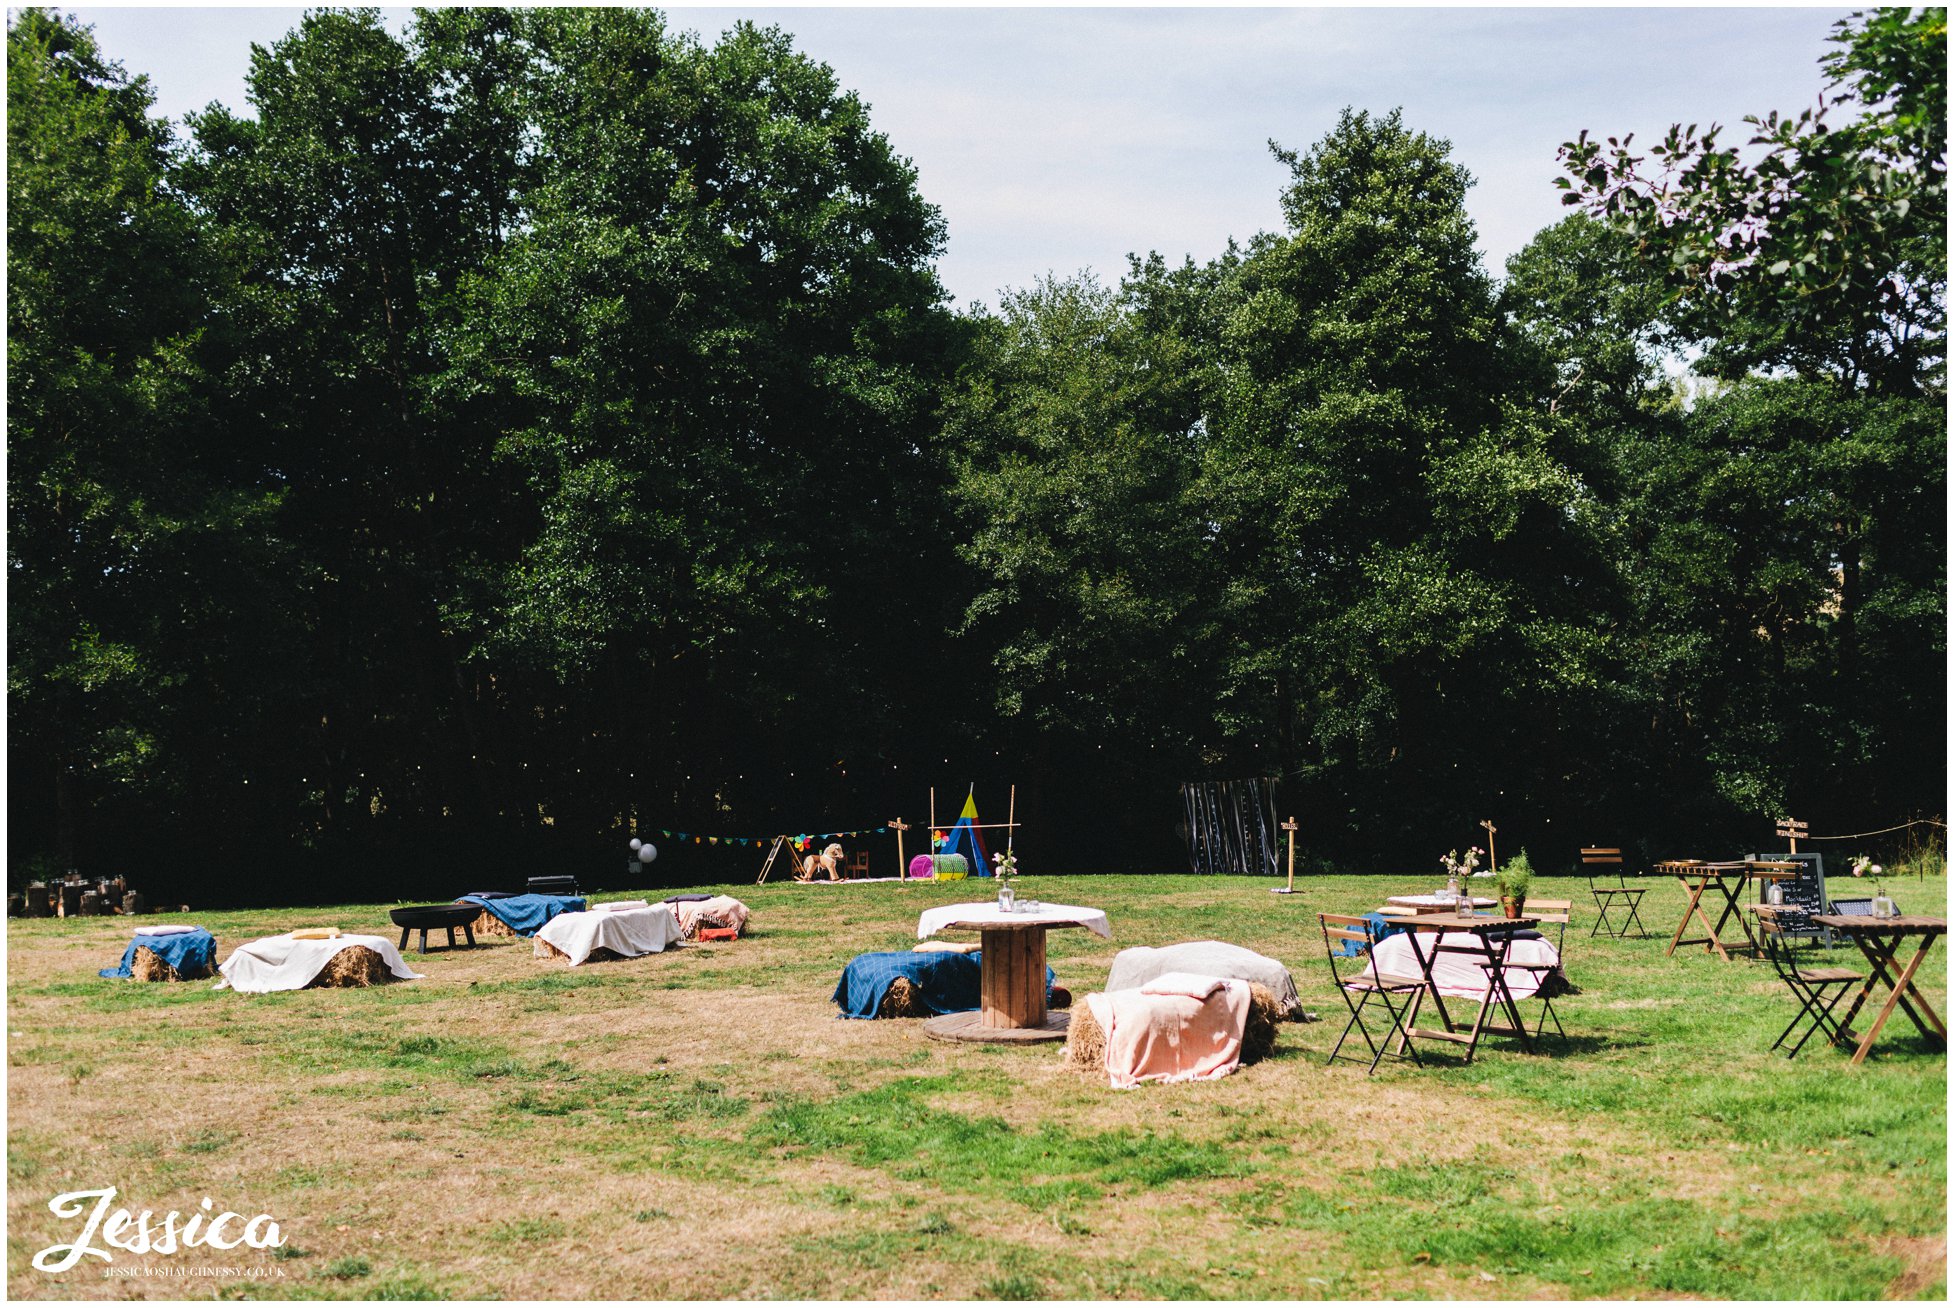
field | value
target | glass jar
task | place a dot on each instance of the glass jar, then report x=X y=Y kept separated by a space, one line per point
x=1774 y=894
x=1007 y=898
x=1452 y=890
x=1883 y=906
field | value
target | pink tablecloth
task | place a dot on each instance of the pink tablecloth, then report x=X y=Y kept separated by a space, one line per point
x=1463 y=976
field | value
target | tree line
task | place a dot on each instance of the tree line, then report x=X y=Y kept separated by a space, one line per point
x=540 y=426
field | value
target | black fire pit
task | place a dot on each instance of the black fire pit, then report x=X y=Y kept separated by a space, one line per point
x=436 y=917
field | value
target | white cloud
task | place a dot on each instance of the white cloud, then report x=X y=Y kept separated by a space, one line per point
x=1054 y=139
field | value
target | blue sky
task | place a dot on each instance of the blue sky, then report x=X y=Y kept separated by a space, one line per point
x=1061 y=139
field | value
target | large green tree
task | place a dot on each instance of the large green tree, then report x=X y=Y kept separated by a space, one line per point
x=134 y=558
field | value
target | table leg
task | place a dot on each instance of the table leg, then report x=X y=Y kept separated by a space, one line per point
x=1875 y=970
x=451 y=937
x=1900 y=988
x=468 y=930
x=1730 y=905
x=1884 y=962
x=404 y=932
x=1425 y=966
x=1013 y=981
x=423 y=940
x=1695 y=894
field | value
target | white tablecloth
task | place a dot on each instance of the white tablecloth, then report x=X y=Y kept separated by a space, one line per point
x=1463 y=976
x=629 y=932
x=282 y=963
x=980 y=915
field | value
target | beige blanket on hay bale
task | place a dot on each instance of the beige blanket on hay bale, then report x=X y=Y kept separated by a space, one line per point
x=1178 y=1027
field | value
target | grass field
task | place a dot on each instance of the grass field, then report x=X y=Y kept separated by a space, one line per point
x=697 y=1124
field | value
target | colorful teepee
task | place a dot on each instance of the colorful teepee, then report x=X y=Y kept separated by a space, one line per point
x=966 y=832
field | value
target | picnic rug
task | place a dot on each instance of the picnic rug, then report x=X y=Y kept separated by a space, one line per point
x=191 y=953
x=525 y=914
x=945 y=982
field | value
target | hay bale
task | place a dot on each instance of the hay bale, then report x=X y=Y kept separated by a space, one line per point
x=1085 y=1039
x=1259 y=1031
x=902 y=1000
x=353 y=966
x=544 y=949
x=148 y=965
x=488 y=924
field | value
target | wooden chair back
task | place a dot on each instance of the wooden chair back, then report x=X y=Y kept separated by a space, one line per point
x=858 y=864
x=1599 y=854
x=1341 y=926
x=1550 y=910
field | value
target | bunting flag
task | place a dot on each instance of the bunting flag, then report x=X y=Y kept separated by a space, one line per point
x=803 y=839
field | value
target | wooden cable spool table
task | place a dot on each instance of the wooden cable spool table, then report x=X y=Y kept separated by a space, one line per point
x=1012 y=1006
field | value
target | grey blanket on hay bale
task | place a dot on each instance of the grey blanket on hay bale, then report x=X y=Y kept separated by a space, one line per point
x=1133 y=968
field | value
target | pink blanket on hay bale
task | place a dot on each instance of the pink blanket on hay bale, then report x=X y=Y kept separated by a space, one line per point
x=1177 y=1027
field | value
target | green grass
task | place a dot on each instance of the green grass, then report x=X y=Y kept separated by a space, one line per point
x=508 y=1116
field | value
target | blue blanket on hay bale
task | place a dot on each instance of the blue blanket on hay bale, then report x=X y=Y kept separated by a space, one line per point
x=191 y=953
x=526 y=914
x=948 y=982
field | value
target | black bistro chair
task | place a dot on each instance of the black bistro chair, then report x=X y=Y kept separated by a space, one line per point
x=1361 y=984
x=1776 y=925
x=1612 y=893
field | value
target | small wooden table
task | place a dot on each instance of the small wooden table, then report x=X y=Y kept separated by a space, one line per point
x=1879 y=939
x=1729 y=879
x=1495 y=937
x=1012 y=998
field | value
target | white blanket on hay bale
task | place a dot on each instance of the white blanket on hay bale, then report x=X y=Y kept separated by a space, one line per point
x=282 y=963
x=626 y=932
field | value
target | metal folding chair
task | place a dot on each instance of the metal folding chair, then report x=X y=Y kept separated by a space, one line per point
x=1362 y=985
x=1618 y=897
x=1776 y=925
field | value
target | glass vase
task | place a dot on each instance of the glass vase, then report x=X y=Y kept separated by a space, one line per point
x=1883 y=906
x=1007 y=898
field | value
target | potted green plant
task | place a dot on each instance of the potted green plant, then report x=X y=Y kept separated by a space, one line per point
x=1514 y=881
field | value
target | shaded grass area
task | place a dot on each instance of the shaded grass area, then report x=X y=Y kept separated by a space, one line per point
x=697 y=1125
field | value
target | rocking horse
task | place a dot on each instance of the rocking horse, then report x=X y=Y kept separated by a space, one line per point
x=828 y=860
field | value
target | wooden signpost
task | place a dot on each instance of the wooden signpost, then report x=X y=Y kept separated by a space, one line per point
x=1492 y=854
x=1793 y=830
x=898 y=826
x=1291 y=827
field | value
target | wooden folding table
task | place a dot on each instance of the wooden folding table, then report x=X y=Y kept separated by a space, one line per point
x=1729 y=879
x=1494 y=937
x=1879 y=939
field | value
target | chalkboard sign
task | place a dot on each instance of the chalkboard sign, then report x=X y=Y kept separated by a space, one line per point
x=1804 y=892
